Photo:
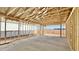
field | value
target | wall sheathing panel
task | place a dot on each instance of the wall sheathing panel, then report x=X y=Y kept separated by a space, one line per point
x=77 y=28
x=72 y=30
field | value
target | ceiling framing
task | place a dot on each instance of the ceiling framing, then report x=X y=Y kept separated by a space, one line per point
x=37 y=15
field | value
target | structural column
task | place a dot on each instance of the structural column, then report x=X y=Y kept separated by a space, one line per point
x=43 y=30
x=28 y=28
x=31 y=29
x=60 y=30
x=19 y=29
x=21 y=24
x=25 y=28
x=5 y=28
x=0 y=27
x=40 y=29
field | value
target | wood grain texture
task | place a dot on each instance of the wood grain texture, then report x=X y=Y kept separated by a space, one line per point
x=36 y=15
x=72 y=30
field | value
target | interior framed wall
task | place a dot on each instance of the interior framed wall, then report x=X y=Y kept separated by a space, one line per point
x=72 y=30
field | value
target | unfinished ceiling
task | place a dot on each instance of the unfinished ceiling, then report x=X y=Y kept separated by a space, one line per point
x=37 y=15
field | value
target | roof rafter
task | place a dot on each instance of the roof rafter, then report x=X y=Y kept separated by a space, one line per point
x=12 y=11
x=20 y=14
x=8 y=9
x=16 y=11
x=61 y=10
x=42 y=15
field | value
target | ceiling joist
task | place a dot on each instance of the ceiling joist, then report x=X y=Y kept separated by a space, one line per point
x=37 y=15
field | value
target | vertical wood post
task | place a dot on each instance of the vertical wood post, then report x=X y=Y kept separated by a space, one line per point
x=25 y=28
x=43 y=30
x=28 y=28
x=5 y=29
x=19 y=29
x=0 y=28
x=60 y=30
x=31 y=29
x=40 y=29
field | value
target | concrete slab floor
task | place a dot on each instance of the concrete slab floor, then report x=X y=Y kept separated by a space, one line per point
x=38 y=43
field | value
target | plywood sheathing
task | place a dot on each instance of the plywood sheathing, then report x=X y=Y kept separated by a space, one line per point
x=72 y=30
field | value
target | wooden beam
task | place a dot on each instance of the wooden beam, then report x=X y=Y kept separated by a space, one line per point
x=11 y=11
x=20 y=14
x=38 y=12
x=15 y=12
x=11 y=17
x=31 y=15
x=8 y=9
x=61 y=10
x=65 y=12
x=30 y=18
x=42 y=11
x=71 y=13
x=67 y=16
x=34 y=22
x=51 y=19
x=26 y=10
x=60 y=13
x=34 y=13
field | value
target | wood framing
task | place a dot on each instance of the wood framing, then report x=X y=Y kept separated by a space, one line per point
x=72 y=29
x=0 y=27
x=5 y=28
x=48 y=15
